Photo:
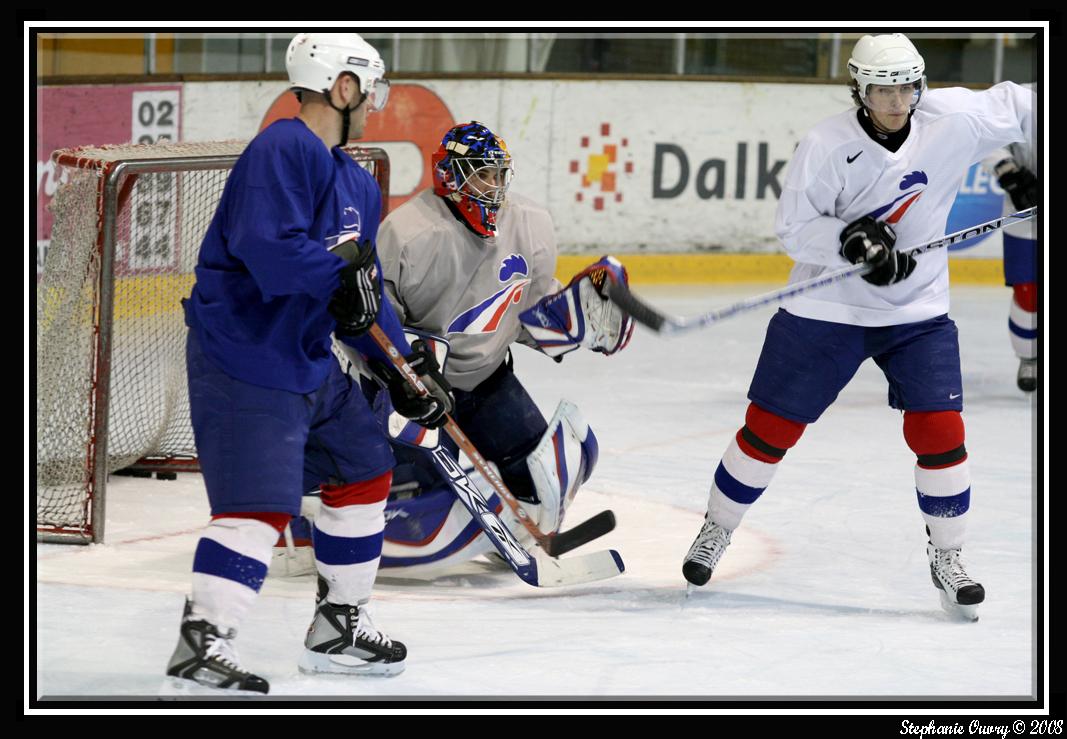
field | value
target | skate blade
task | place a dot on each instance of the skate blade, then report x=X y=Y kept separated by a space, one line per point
x=316 y=663
x=179 y=687
x=957 y=611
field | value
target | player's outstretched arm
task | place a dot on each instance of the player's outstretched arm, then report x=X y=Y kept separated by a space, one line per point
x=581 y=315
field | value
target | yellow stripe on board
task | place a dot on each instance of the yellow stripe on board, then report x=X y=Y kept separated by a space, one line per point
x=151 y=295
x=652 y=269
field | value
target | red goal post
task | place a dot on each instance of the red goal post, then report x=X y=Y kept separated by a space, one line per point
x=110 y=372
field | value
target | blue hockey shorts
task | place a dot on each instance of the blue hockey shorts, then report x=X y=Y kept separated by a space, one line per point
x=1020 y=260
x=805 y=363
x=261 y=448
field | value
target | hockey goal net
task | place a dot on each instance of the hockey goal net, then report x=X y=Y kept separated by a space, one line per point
x=111 y=381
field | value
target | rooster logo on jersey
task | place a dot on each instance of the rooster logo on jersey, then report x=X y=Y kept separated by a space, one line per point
x=351 y=228
x=914 y=184
x=485 y=317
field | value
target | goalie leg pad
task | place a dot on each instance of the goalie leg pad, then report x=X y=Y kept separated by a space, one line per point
x=432 y=532
x=562 y=461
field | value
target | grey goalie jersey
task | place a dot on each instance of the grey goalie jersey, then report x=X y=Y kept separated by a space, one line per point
x=443 y=279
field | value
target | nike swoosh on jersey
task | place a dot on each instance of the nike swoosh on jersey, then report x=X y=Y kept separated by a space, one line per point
x=853 y=158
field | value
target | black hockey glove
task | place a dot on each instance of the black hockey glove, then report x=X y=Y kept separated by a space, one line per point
x=429 y=410
x=1018 y=182
x=870 y=241
x=355 y=303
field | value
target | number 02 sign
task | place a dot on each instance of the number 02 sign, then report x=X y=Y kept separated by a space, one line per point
x=154 y=224
x=83 y=115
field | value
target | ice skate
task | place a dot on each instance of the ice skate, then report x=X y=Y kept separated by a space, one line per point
x=207 y=657
x=342 y=639
x=960 y=595
x=1027 y=377
x=705 y=553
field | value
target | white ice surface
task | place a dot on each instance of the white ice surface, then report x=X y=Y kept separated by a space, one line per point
x=824 y=592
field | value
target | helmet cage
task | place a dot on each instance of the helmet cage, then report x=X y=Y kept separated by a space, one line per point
x=485 y=180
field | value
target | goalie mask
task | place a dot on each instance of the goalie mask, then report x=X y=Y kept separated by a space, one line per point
x=472 y=170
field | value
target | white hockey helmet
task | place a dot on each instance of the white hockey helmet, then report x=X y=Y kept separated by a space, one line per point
x=314 y=61
x=889 y=60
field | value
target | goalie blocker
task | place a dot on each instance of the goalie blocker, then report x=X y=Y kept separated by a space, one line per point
x=428 y=530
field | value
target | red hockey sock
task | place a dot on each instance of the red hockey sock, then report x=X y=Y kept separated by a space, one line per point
x=936 y=437
x=1026 y=296
x=767 y=436
x=374 y=490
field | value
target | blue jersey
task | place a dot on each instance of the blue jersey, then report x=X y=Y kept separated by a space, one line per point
x=265 y=276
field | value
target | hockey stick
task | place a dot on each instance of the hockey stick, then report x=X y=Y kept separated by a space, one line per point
x=544 y=573
x=539 y=573
x=664 y=324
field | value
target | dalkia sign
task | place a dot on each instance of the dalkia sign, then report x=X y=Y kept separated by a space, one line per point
x=716 y=177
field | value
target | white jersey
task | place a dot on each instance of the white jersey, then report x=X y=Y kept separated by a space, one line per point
x=839 y=174
x=443 y=279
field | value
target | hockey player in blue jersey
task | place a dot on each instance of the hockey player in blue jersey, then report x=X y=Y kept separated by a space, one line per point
x=861 y=182
x=272 y=413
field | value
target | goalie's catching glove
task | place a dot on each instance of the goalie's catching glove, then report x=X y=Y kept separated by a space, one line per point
x=581 y=314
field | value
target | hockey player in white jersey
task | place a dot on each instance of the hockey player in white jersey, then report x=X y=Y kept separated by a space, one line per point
x=1014 y=168
x=860 y=183
x=473 y=263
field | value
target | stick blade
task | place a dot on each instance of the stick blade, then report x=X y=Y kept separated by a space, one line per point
x=576 y=570
x=593 y=528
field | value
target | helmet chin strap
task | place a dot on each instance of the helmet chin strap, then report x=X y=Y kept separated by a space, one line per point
x=346 y=113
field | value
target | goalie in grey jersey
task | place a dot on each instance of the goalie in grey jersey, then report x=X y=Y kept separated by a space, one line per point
x=474 y=265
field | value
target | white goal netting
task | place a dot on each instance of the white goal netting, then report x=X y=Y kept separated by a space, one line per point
x=111 y=381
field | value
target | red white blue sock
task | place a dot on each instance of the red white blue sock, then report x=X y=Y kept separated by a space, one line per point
x=349 y=531
x=1022 y=320
x=230 y=564
x=749 y=464
x=944 y=499
x=942 y=474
